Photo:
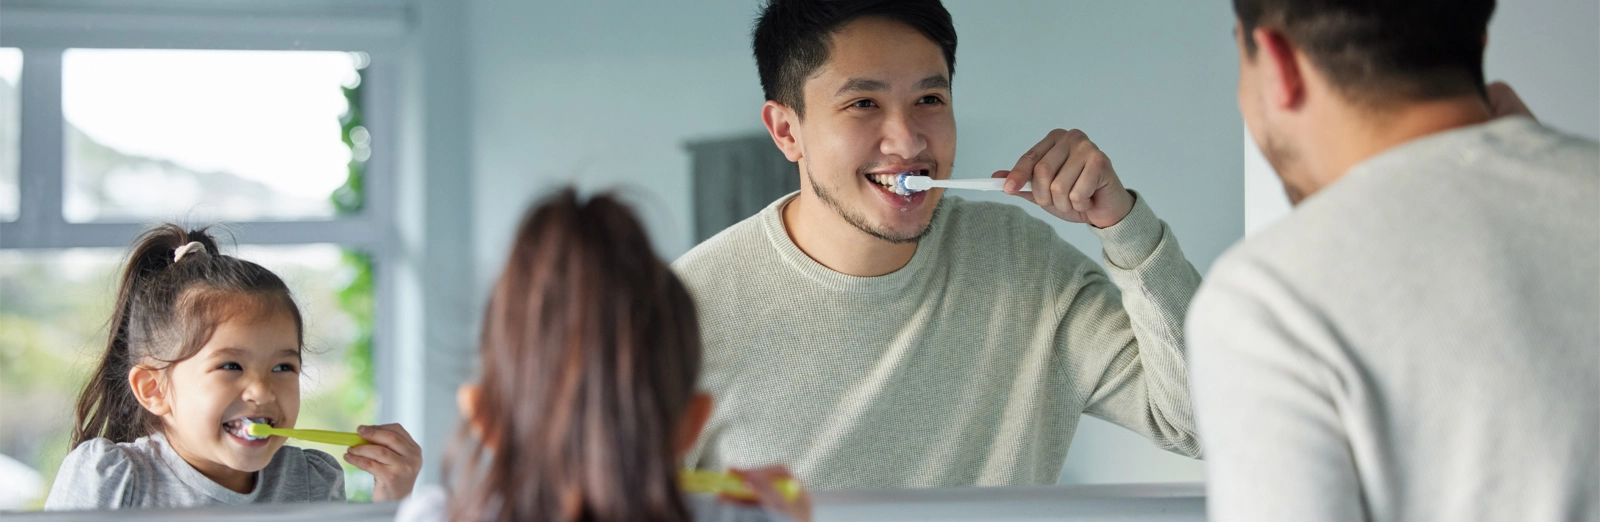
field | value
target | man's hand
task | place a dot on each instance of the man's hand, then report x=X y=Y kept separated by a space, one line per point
x=1072 y=180
x=393 y=458
x=1504 y=102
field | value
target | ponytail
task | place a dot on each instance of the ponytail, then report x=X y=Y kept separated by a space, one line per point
x=146 y=317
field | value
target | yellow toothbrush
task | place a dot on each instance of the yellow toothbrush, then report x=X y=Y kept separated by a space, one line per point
x=263 y=430
x=723 y=483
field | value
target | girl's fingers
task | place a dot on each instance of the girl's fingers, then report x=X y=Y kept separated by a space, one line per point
x=392 y=436
x=378 y=454
x=363 y=463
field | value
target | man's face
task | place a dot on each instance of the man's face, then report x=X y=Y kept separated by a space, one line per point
x=879 y=107
x=1270 y=138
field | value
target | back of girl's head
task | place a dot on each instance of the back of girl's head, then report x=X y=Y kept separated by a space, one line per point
x=167 y=308
x=590 y=352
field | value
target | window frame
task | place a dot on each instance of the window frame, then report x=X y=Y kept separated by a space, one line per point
x=44 y=29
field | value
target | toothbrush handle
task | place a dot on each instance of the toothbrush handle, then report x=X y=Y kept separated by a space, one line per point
x=323 y=436
x=706 y=481
x=977 y=184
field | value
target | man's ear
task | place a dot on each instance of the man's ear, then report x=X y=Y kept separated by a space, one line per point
x=1282 y=80
x=783 y=124
x=146 y=384
x=694 y=420
x=467 y=397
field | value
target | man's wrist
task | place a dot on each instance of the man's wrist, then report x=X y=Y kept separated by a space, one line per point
x=1128 y=199
x=1133 y=238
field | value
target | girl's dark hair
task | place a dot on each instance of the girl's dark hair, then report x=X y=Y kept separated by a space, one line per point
x=589 y=356
x=165 y=312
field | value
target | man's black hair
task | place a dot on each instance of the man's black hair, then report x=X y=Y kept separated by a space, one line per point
x=791 y=37
x=1381 y=51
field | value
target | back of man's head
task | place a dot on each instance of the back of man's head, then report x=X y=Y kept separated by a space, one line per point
x=1382 y=52
x=791 y=37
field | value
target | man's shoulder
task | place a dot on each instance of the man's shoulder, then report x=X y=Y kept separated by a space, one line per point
x=725 y=254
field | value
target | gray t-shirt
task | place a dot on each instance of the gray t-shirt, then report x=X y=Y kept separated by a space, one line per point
x=431 y=504
x=147 y=473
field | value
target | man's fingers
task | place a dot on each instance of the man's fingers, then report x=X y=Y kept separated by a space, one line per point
x=1049 y=169
x=1093 y=177
x=1503 y=101
x=1023 y=171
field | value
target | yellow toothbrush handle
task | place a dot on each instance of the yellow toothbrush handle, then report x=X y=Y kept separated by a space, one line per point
x=722 y=483
x=323 y=436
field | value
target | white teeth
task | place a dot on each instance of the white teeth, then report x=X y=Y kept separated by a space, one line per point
x=891 y=182
x=241 y=427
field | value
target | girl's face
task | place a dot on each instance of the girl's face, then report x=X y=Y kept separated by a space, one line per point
x=249 y=369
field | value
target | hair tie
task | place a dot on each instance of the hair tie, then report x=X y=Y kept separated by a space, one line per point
x=185 y=249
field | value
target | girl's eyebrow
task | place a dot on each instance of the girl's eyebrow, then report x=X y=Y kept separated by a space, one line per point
x=240 y=351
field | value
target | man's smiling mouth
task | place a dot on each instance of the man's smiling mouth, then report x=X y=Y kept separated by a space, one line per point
x=891 y=182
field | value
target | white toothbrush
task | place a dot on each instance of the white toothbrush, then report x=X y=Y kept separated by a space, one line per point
x=920 y=183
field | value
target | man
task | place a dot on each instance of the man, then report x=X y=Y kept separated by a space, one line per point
x=869 y=339
x=1419 y=339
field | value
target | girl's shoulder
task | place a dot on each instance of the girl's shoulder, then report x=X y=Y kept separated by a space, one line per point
x=306 y=472
x=103 y=474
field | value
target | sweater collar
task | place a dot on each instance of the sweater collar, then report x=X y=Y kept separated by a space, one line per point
x=927 y=247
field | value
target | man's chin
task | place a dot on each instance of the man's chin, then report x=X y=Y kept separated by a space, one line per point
x=899 y=228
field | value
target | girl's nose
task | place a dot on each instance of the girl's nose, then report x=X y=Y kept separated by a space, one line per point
x=257 y=391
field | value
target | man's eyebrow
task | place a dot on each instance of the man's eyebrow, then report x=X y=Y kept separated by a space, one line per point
x=862 y=85
x=937 y=81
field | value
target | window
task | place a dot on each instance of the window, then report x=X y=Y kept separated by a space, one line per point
x=213 y=135
x=10 y=120
x=273 y=144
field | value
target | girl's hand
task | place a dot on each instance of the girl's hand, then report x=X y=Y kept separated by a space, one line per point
x=764 y=482
x=393 y=459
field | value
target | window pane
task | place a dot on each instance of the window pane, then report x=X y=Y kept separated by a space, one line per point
x=54 y=306
x=204 y=135
x=10 y=138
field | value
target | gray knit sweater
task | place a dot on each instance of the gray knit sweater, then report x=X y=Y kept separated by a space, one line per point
x=1418 y=341
x=968 y=366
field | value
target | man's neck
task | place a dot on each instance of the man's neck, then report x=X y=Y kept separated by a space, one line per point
x=824 y=236
x=1357 y=135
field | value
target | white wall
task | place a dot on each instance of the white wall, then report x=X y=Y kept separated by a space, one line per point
x=606 y=92
x=1548 y=50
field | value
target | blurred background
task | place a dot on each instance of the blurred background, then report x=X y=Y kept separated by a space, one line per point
x=377 y=153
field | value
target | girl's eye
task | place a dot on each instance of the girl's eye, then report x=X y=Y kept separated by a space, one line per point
x=285 y=367
x=230 y=366
x=864 y=104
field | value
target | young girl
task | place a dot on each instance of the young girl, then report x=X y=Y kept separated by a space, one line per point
x=586 y=402
x=199 y=343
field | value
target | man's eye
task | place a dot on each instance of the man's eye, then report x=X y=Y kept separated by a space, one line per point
x=931 y=99
x=864 y=104
x=230 y=366
x=285 y=367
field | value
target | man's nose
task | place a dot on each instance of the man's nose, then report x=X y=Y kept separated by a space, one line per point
x=902 y=137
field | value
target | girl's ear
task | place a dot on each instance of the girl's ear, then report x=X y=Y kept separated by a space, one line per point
x=694 y=420
x=146 y=384
x=467 y=401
